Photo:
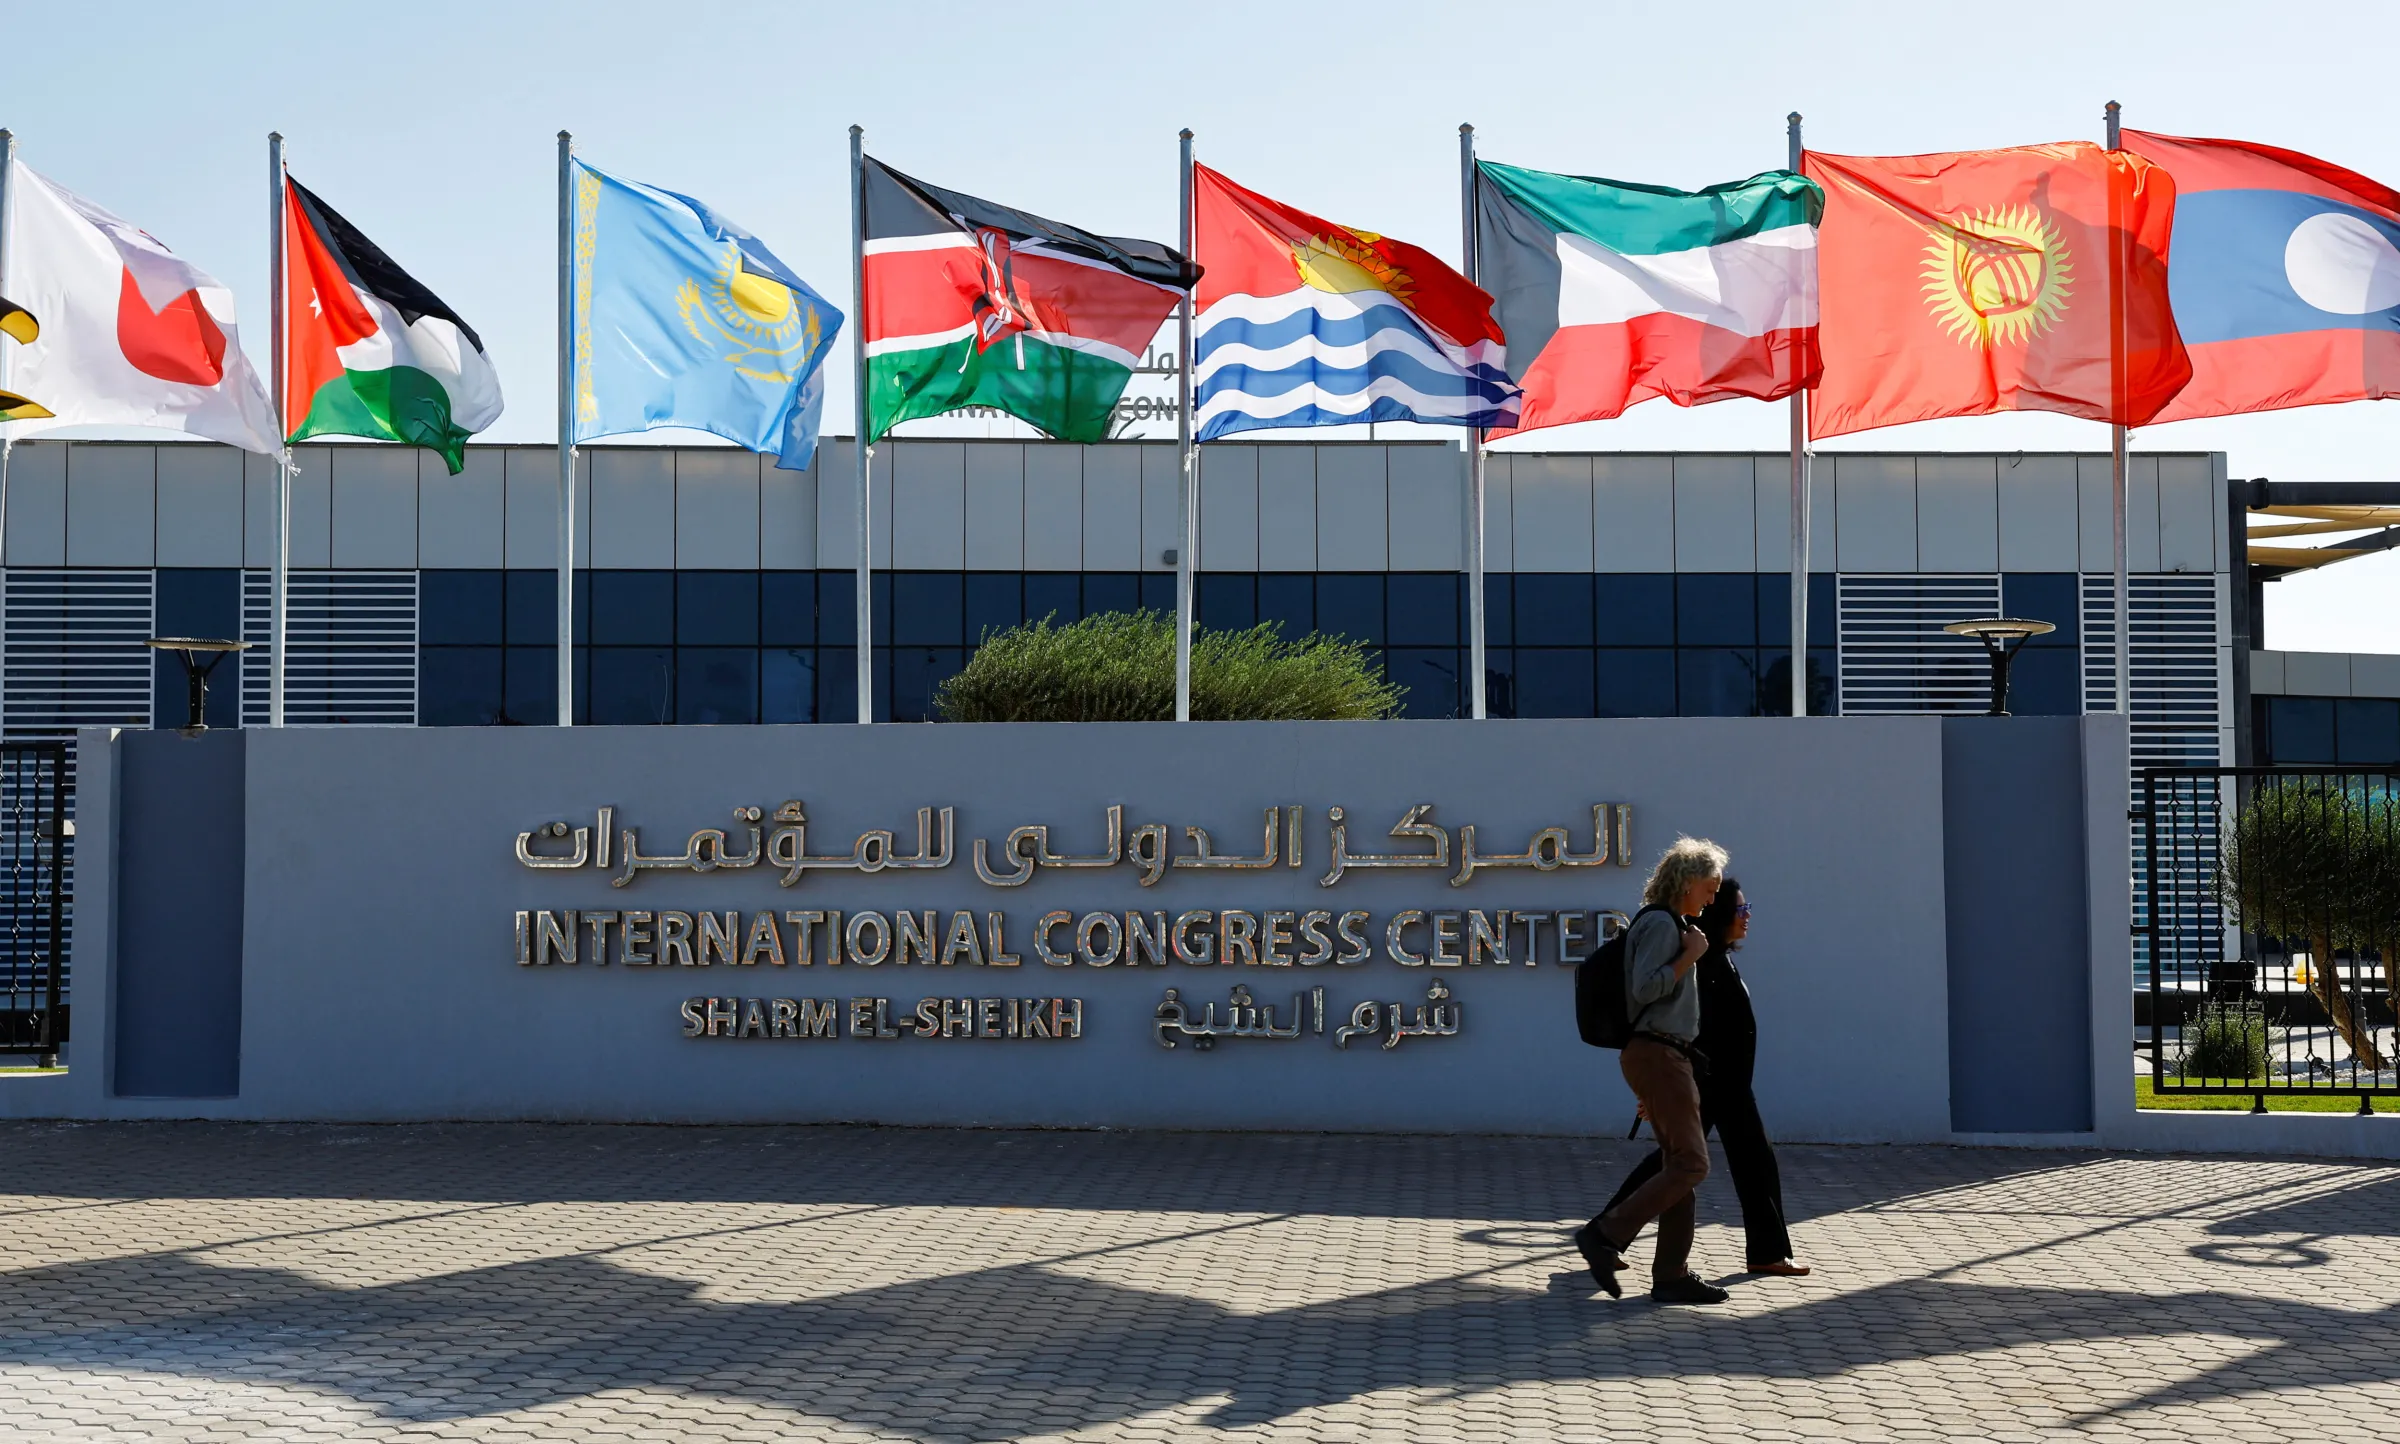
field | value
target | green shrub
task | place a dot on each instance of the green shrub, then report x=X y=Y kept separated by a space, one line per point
x=1120 y=667
x=2225 y=1040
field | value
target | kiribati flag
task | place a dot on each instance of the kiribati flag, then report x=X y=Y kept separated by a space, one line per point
x=2286 y=281
x=1306 y=323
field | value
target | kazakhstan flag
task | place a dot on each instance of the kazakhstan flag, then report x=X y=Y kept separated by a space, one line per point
x=682 y=318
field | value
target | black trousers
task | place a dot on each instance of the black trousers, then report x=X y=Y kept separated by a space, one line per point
x=1757 y=1182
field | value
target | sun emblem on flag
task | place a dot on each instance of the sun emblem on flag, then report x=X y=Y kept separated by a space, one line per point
x=2001 y=275
x=764 y=332
x=1341 y=264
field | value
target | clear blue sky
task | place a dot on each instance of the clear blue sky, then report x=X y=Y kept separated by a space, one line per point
x=431 y=127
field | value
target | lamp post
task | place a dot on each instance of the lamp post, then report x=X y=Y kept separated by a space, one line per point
x=2001 y=637
x=189 y=650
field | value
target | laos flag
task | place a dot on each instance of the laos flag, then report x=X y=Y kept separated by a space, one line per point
x=2286 y=278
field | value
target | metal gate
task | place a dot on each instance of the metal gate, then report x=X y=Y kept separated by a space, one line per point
x=2267 y=922
x=34 y=836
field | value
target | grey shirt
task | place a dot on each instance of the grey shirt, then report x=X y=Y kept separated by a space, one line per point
x=1655 y=999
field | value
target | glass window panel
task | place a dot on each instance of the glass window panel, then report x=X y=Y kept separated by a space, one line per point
x=1227 y=601
x=928 y=608
x=1553 y=610
x=456 y=686
x=1498 y=614
x=1499 y=683
x=1553 y=681
x=1635 y=609
x=630 y=608
x=207 y=602
x=837 y=684
x=1430 y=675
x=2046 y=597
x=2366 y=731
x=716 y=686
x=1717 y=609
x=1716 y=681
x=1775 y=682
x=1158 y=592
x=716 y=608
x=787 y=608
x=1636 y=682
x=837 y=610
x=633 y=686
x=1421 y=608
x=2300 y=731
x=995 y=603
x=1111 y=592
x=1291 y=599
x=1350 y=604
x=1055 y=595
x=916 y=672
x=788 y=684
x=2046 y=682
x=531 y=683
x=532 y=605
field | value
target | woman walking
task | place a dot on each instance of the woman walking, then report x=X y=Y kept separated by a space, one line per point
x=1729 y=1042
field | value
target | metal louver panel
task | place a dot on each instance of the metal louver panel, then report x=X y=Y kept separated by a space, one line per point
x=1895 y=657
x=353 y=639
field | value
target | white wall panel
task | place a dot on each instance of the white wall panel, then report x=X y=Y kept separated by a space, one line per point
x=1229 y=508
x=1958 y=514
x=2038 y=516
x=312 y=507
x=461 y=519
x=112 y=495
x=1287 y=508
x=532 y=520
x=374 y=506
x=1112 y=509
x=2266 y=672
x=787 y=515
x=1499 y=530
x=1428 y=486
x=1053 y=508
x=1875 y=512
x=199 y=505
x=1716 y=514
x=633 y=507
x=1771 y=514
x=837 y=506
x=2374 y=674
x=2190 y=515
x=1550 y=513
x=929 y=506
x=2316 y=674
x=1633 y=513
x=1351 y=509
x=2091 y=511
x=995 y=540
x=2141 y=513
x=1162 y=505
x=37 y=504
x=716 y=508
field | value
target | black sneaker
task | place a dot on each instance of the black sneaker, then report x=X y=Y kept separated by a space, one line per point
x=1690 y=1289
x=1605 y=1258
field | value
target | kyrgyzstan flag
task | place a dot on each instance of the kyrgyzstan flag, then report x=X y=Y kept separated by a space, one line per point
x=1994 y=280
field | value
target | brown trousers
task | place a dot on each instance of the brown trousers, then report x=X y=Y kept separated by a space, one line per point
x=1662 y=1078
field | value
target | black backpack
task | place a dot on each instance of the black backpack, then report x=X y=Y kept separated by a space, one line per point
x=1600 y=1014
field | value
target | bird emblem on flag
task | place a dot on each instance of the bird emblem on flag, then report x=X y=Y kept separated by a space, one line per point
x=752 y=316
x=2001 y=274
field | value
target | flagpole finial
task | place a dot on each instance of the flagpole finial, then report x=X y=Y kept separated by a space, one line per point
x=1793 y=119
x=275 y=136
x=856 y=131
x=1184 y=134
x=1466 y=128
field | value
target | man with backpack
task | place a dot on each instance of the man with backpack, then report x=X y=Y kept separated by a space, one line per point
x=1660 y=999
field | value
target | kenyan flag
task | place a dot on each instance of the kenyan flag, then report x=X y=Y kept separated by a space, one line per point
x=973 y=304
x=369 y=351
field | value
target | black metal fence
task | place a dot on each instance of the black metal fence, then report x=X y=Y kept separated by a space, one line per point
x=2267 y=921
x=35 y=838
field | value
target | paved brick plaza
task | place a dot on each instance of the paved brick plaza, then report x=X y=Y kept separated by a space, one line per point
x=205 y=1281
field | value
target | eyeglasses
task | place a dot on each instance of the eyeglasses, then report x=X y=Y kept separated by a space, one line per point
x=1742 y=911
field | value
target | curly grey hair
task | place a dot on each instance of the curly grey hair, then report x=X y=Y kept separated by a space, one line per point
x=1689 y=859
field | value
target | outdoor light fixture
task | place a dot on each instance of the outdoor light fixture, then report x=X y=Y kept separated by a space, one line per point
x=195 y=671
x=2001 y=637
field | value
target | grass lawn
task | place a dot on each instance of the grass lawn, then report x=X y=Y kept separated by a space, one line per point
x=2144 y=1097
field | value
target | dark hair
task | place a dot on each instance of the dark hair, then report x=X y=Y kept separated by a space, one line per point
x=1717 y=918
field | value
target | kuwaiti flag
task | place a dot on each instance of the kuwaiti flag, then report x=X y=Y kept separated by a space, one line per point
x=2286 y=281
x=370 y=352
x=1306 y=323
x=1613 y=293
x=131 y=333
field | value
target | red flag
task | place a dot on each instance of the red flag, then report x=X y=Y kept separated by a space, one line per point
x=1994 y=280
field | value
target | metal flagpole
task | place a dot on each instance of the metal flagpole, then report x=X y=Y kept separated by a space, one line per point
x=1477 y=684
x=1799 y=546
x=278 y=606
x=862 y=453
x=568 y=370
x=1188 y=453
x=2116 y=446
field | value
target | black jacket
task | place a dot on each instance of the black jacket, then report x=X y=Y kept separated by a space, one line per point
x=1728 y=1027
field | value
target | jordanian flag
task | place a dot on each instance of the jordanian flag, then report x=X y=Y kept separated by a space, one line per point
x=973 y=304
x=369 y=351
x=1612 y=293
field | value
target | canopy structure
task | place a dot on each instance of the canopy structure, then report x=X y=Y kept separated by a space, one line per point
x=2357 y=518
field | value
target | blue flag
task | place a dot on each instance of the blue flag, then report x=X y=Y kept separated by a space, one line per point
x=682 y=318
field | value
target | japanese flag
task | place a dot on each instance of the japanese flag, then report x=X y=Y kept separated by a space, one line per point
x=132 y=334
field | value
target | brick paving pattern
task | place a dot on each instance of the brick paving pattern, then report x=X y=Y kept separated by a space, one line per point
x=190 y=1282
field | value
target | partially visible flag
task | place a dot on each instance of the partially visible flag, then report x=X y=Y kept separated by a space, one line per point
x=1614 y=293
x=1306 y=323
x=2286 y=279
x=1986 y=280
x=370 y=352
x=970 y=303
x=131 y=333
x=17 y=323
x=682 y=318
